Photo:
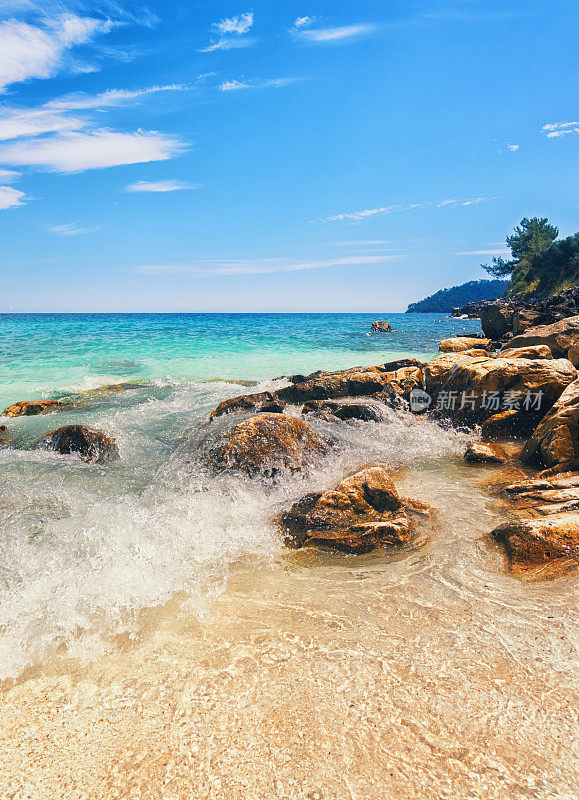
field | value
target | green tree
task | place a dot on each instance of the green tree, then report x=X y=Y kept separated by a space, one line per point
x=528 y=241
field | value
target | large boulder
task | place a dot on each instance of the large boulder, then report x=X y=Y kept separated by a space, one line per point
x=29 y=408
x=380 y=327
x=265 y=444
x=482 y=453
x=543 y=496
x=460 y=344
x=496 y=320
x=538 y=351
x=89 y=445
x=555 y=442
x=473 y=389
x=544 y=547
x=363 y=512
x=243 y=403
x=345 y=409
x=523 y=320
x=559 y=337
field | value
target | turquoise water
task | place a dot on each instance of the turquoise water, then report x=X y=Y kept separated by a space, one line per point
x=48 y=354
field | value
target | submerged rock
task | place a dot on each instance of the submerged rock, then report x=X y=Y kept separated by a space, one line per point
x=89 y=444
x=267 y=443
x=112 y=388
x=480 y=453
x=555 y=442
x=363 y=512
x=559 y=337
x=460 y=344
x=380 y=326
x=29 y=408
x=344 y=410
x=541 y=548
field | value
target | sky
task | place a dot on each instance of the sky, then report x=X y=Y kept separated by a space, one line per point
x=266 y=156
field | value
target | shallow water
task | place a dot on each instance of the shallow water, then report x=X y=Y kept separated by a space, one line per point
x=157 y=640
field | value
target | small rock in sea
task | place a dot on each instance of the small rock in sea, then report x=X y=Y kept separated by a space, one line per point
x=380 y=326
x=362 y=513
x=272 y=407
x=29 y=408
x=541 y=548
x=267 y=444
x=113 y=388
x=90 y=445
x=480 y=453
x=368 y=412
x=245 y=402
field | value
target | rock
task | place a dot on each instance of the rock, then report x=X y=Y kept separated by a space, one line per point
x=555 y=442
x=538 y=351
x=272 y=407
x=546 y=495
x=90 y=445
x=541 y=548
x=512 y=424
x=476 y=353
x=245 y=402
x=559 y=337
x=480 y=453
x=5 y=436
x=29 y=408
x=368 y=412
x=363 y=512
x=461 y=343
x=573 y=355
x=267 y=443
x=113 y=388
x=380 y=327
x=471 y=390
x=496 y=320
x=523 y=320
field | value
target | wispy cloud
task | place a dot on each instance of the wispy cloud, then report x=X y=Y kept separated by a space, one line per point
x=357 y=216
x=39 y=51
x=10 y=197
x=303 y=22
x=364 y=243
x=240 y=25
x=110 y=98
x=160 y=186
x=71 y=229
x=8 y=175
x=513 y=147
x=272 y=83
x=261 y=266
x=233 y=32
x=498 y=252
x=556 y=129
x=75 y=152
x=333 y=34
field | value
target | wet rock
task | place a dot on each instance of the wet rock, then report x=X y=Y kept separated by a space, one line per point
x=368 y=412
x=555 y=442
x=29 y=408
x=512 y=424
x=559 y=337
x=544 y=496
x=460 y=344
x=496 y=320
x=243 y=403
x=538 y=351
x=363 y=512
x=90 y=445
x=481 y=453
x=267 y=443
x=380 y=327
x=272 y=407
x=462 y=387
x=5 y=436
x=541 y=548
x=113 y=388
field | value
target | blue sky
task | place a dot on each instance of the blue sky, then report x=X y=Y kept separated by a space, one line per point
x=296 y=156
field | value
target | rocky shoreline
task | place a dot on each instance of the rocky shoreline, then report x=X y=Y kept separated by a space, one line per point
x=520 y=405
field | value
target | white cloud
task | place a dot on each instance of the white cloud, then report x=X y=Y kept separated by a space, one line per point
x=8 y=175
x=71 y=229
x=334 y=34
x=15 y=122
x=110 y=98
x=10 y=197
x=273 y=83
x=357 y=216
x=160 y=186
x=501 y=252
x=240 y=25
x=29 y=51
x=513 y=147
x=364 y=242
x=556 y=129
x=303 y=22
x=260 y=266
x=227 y=44
x=75 y=152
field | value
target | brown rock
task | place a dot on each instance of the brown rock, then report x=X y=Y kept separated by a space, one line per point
x=538 y=351
x=29 y=408
x=477 y=378
x=267 y=443
x=90 y=445
x=555 y=442
x=113 y=388
x=363 y=512
x=559 y=337
x=512 y=424
x=479 y=453
x=344 y=410
x=476 y=353
x=546 y=495
x=541 y=548
x=245 y=402
x=380 y=327
x=523 y=320
x=272 y=407
x=496 y=320
x=573 y=355
x=460 y=344
x=357 y=382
